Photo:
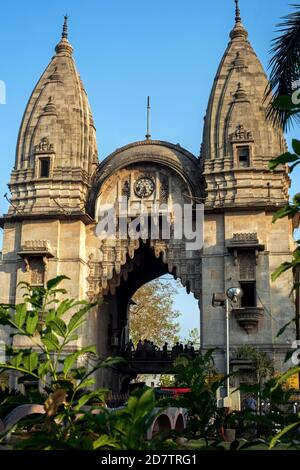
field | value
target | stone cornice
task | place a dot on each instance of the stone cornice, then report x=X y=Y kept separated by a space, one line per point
x=251 y=207
x=85 y=218
x=162 y=143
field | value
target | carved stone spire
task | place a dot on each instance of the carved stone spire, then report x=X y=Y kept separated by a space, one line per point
x=238 y=32
x=64 y=47
x=57 y=112
x=237 y=100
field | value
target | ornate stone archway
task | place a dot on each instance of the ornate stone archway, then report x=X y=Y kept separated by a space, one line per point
x=177 y=177
x=117 y=267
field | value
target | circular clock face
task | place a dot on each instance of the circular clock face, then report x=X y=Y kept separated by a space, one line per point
x=144 y=187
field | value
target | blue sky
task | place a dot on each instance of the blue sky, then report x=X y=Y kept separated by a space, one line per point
x=124 y=51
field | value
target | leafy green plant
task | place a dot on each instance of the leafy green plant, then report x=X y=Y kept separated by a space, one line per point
x=125 y=429
x=285 y=70
x=49 y=325
x=201 y=401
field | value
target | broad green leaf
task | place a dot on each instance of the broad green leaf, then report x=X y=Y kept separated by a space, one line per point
x=292 y=167
x=32 y=322
x=57 y=291
x=284 y=377
x=59 y=327
x=30 y=361
x=50 y=316
x=16 y=360
x=35 y=297
x=296 y=146
x=51 y=342
x=83 y=400
x=64 y=306
x=283 y=102
x=86 y=383
x=132 y=403
x=289 y=355
x=284 y=212
x=282 y=433
x=105 y=441
x=77 y=319
x=4 y=366
x=72 y=358
x=44 y=368
x=20 y=316
x=147 y=399
x=282 y=330
x=5 y=317
x=71 y=338
x=55 y=281
x=282 y=269
x=296 y=200
x=283 y=159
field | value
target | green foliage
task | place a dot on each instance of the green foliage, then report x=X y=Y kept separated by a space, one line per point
x=123 y=429
x=126 y=428
x=262 y=364
x=49 y=325
x=285 y=69
x=201 y=401
x=269 y=423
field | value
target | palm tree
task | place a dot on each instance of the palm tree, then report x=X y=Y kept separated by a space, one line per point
x=285 y=71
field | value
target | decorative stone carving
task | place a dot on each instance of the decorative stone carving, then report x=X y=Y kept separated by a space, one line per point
x=239 y=61
x=245 y=237
x=241 y=134
x=36 y=245
x=50 y=107
x=35 y=250
x=247 y=262
x=248 y=317
x=164 y=190
x=55 y=76
x=44 y=146
x=37 y=271
x=105 y=274
x=126 y=189
x=244 y=241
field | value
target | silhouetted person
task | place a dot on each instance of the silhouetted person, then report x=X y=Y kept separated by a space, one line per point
x=165 y=350
x=139 y=349
x=147 y=349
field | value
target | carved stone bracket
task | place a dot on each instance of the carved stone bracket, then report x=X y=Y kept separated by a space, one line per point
x=248 y=317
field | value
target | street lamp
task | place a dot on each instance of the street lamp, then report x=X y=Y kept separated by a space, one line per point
x=233 y=294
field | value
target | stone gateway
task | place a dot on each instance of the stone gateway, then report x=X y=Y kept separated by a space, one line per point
x=58 y=186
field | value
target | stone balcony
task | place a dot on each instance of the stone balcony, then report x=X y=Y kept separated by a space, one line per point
x=248 y=317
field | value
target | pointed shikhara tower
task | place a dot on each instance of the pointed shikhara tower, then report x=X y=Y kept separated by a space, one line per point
x=242 y=246
x=56 y=150
x=44 y=230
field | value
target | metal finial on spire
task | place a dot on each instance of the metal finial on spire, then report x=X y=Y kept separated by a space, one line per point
x=65 y=28
x=237 y=12
x=64 y=47
x=148 y=135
